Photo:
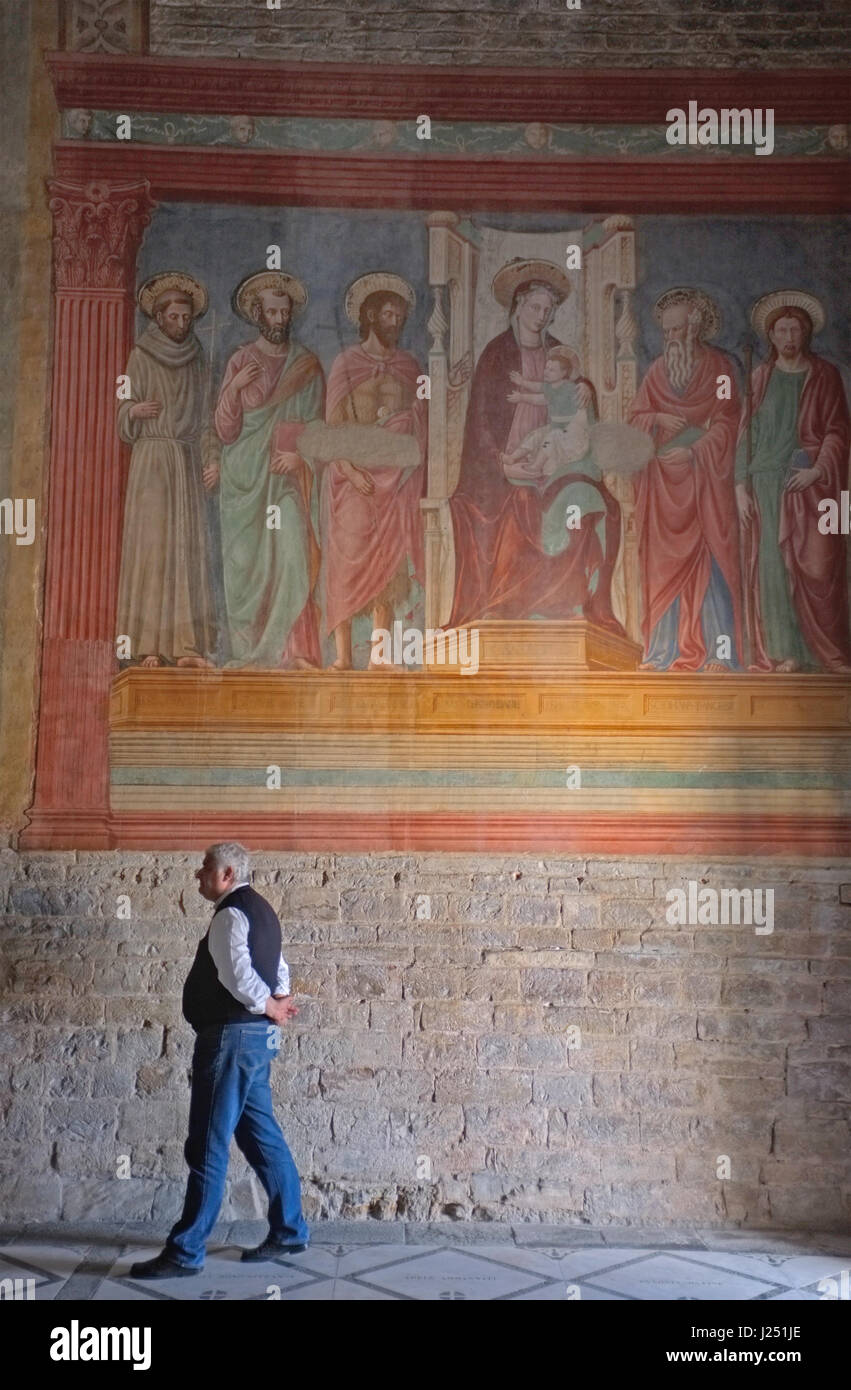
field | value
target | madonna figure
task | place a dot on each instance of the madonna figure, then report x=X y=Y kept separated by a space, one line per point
x=515 y=554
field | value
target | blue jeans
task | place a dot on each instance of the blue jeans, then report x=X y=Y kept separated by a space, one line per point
x=231 y=1099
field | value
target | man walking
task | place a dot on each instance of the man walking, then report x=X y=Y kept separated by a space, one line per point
x=239 y=981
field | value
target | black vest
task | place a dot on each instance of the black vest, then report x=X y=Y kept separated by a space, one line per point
x=205 y=999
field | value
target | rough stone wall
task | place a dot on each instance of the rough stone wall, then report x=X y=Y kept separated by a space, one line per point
x=443 y=1041
x=543 y=33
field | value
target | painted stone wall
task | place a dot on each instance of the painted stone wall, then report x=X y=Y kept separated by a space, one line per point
x=545 y=33
x=435 y=1069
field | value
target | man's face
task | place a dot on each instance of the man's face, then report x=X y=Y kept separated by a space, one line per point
x=274 y=313
x=787 y=336
x=80 y=121
x=536 y=311
x=175 y=319
x=554 y=369
x=675 y=323
x=213 y=881
x=537 y=135
x=384 y=132
x=242 y=129
x=387 y=323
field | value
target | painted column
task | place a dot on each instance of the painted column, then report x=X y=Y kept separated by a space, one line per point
x=97 y=233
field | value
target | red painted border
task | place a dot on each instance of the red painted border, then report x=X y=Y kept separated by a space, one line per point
x=230 y=86
x=607 y=834
x=268 y=177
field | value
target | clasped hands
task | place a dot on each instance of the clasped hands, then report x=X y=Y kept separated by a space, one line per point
x=280 y=1007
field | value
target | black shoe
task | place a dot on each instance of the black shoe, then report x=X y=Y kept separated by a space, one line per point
x=161 y=1267
x=270 y=1250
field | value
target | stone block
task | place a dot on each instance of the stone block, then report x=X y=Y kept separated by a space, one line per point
x=558 y=986
x=565 y=1091
x=821 y=1081
x=365 y=982
x=34 y=1196
x=461 y=1015
x=730 y=1059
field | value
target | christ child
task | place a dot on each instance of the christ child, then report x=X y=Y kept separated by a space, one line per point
x=567 y=401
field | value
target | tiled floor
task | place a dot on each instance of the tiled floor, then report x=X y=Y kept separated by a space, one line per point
x=442 y=1261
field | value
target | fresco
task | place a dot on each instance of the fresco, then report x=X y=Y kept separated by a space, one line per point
x=459 y=492
x=279 y=451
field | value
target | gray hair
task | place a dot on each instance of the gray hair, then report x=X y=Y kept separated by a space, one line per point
x=231 y=855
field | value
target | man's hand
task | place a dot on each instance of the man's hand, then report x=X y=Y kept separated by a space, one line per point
x=671 y=424
x=519 y=379
x=801 y=478
x=145 y=410
x=285 y=462
x=358 y=477
x=246 y=375
x=745 y=504
x=210 y=474
x=280 y=1007
x=675 y=456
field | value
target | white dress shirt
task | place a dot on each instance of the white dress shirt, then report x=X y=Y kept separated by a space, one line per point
x=228 y=943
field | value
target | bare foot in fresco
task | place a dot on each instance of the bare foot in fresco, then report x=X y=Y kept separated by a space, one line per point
x=648 y=666
x=341 y=664
x=148 y=661
x=785 y=668
x=387 y=668
x=197 y=661
x=716 y=666
x=301 y=663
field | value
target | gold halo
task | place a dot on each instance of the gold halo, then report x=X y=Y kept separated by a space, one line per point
x=565 y=348
x=160 y=284
x=278 y=280
x=517 y=271
x=711 y=312
x=787 y=299
x=372 y=283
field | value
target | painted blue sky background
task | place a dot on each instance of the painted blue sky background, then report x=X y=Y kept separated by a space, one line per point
x=736 y=259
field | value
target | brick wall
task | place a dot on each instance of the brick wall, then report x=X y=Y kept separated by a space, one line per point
x=603 y=33
x=445 y=1039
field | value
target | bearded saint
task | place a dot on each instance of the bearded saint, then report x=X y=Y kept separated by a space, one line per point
x=686 y=508
x=792 y=455
x=372 y=531
x=165 y=606
x=272 y=387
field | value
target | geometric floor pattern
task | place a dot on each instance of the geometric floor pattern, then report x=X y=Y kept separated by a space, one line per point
x=381 y=1261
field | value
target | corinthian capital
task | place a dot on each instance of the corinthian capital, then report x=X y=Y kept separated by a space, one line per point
x=97 y=232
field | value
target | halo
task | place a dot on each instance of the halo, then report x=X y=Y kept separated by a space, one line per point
x=566 y=350
x=158 y=285
x=711 y=312
x=277 y=280
x=372 y=283
x=517 y=271
x=787 y=299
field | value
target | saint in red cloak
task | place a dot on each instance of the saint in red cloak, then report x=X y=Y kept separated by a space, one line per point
x=686 y=507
